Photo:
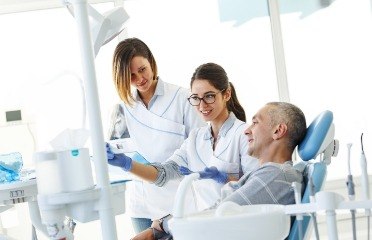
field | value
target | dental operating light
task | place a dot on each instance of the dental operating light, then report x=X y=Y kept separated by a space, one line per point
x=104 y=27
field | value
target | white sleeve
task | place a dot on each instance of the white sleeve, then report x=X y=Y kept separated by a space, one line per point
x=180 y=155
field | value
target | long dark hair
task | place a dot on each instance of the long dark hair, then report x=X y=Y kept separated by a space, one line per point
x=217 y=77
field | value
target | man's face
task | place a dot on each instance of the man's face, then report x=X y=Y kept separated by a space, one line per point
x=259 y=133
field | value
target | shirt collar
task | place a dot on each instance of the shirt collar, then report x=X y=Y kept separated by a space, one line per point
x=289 y=162
x=226 y=126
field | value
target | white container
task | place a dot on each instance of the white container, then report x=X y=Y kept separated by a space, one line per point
x=75 y=170
x=47 y=171
x=63 y=171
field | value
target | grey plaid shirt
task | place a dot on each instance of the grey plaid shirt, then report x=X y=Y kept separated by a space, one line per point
x=268 y=184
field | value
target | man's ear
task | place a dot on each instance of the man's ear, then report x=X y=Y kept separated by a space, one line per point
x=280 y=131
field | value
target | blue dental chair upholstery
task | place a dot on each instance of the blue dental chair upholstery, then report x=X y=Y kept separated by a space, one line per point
x=319 y=141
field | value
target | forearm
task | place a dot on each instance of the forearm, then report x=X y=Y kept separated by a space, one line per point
x=146 y=172
x=158 y=230
x=156 y=173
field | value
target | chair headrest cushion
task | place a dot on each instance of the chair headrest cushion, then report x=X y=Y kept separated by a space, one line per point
x=318 y=135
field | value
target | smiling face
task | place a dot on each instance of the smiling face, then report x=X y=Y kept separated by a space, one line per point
x=142 y=77
x=213 y=112
x=259 y=133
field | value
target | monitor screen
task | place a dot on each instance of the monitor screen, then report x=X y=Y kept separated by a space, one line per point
x=13 y=116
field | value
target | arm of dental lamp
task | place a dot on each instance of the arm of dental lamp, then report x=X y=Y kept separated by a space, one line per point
x=104 y=27
x=330 y=151
x=329 y=147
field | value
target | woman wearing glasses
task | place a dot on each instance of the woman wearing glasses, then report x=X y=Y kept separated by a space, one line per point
x=219 y=150
x=157 y=118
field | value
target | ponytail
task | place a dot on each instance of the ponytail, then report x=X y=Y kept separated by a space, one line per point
x=234 y=106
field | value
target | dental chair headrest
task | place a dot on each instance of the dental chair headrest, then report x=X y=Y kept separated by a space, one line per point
x=319 y=135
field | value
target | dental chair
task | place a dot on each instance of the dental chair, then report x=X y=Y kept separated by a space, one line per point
x=318 y=142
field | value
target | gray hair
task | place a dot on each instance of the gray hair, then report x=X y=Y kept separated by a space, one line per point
x=293 y=117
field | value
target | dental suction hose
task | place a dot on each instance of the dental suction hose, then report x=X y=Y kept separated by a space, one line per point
x=365 y=182
x=179 y=202
x=297 y=192
x=351 y=190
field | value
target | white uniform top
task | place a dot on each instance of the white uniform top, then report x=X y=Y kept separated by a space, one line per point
x=230 y=155
x=157 y=132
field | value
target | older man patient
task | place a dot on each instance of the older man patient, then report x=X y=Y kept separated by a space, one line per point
x=276 y=129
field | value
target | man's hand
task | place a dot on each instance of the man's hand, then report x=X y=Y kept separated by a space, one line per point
x=155 y=232
x=118 y=160
x=145 y=235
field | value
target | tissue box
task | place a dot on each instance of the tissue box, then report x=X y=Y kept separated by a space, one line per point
x=63 y=171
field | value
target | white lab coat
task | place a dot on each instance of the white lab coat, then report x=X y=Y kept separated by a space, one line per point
x=158 y=132
x=230 y=155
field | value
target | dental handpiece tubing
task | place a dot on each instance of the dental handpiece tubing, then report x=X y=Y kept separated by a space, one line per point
x=363 y=165
x=365 y=184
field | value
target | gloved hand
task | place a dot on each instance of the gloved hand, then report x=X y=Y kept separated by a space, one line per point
x=213 y=173
x=208 y=173
x=184 y=170
x=118 y=160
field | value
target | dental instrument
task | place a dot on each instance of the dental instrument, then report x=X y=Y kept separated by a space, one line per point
x=351 y=192
x=365 y=184
x=297 y=193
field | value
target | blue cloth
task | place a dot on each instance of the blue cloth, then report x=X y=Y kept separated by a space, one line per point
x=10 y=167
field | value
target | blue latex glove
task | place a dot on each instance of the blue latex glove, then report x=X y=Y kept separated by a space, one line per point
x=118 y=160
x=208 y=173
x=184 y=170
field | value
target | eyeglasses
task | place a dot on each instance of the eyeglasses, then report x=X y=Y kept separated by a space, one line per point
x=208 y=98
